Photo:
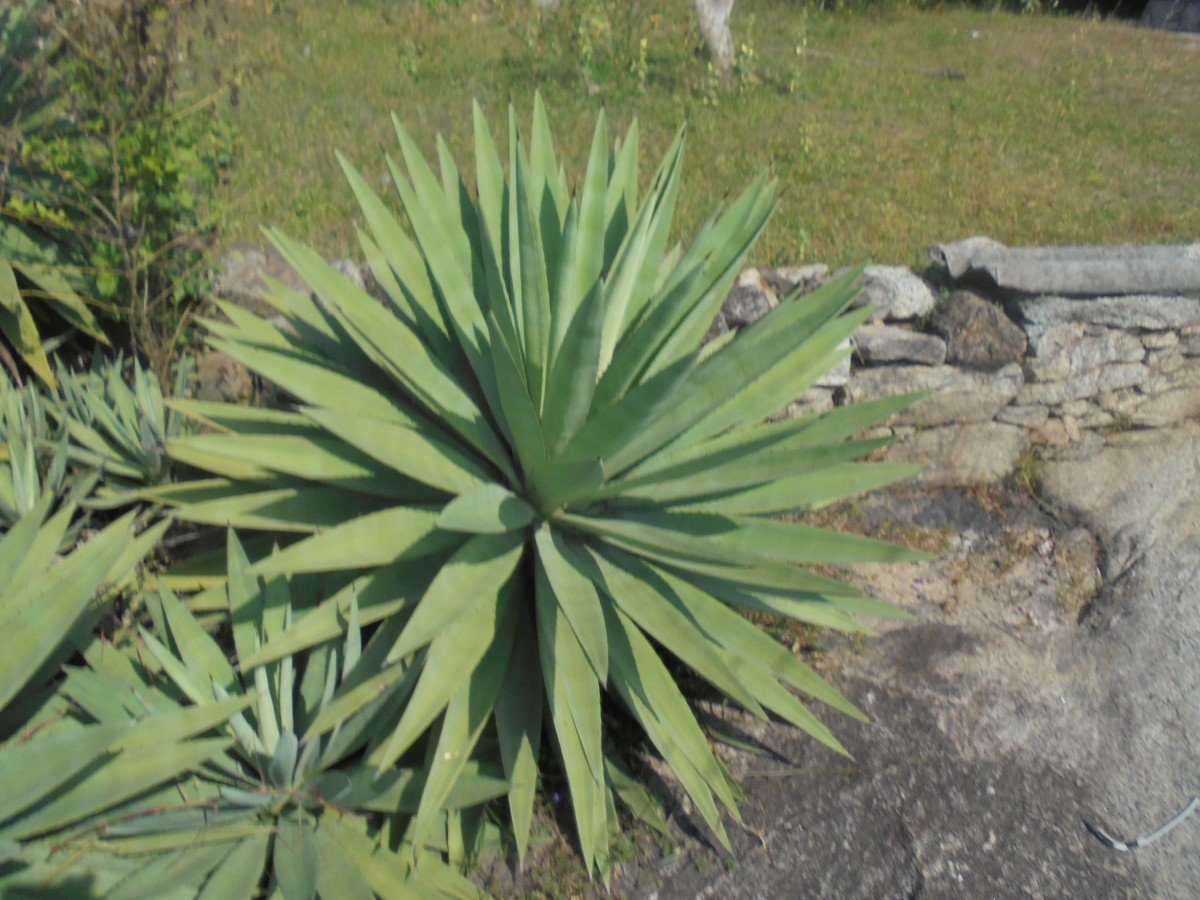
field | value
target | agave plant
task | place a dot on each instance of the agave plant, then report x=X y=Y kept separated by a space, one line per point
x=34 y=457
x=36 y=276
x=117 y=430
x=546 y=487
x=60 y=768
x=306 y=815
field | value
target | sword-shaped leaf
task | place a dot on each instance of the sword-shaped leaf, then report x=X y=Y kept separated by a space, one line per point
x=480 y=567
x=121 y=778
x=576 y=594
x=239 y=873
x=374 y=539
x=573 y=693
x=573 y=373
x=449 y=661
x=644 y=684
x=808 y=491
x=486 y=509
x=519 y=729
x=295 y=858
x=469 y=710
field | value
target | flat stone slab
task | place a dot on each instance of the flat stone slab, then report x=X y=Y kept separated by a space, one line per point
x=1083 y=271
x=955 y=395
x=886 y=344
x=1150 y=312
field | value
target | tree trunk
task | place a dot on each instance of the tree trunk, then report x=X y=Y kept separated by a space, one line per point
x=713 y=18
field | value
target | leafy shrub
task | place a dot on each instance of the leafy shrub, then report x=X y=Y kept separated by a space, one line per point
x=605 y=40
x=542 y=483
x=28 y=255
x=113 y=178
x=115 y=780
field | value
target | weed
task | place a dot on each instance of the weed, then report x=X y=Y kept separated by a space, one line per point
x=745 y=59
x=1025 y=477
x=127 y=176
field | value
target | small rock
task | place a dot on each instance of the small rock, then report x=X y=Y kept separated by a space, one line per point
x=240 y=279
x=1068 y=350
x=837 y=377
x=350 y=269
x=814 y=400
x=1026 y=416
x=745 y=303
x=1164 y=362
x=1075 y=408
x=884 y=344
x=1051 y=433
x=756 y=278
x=896 y=294
x=716 y=329
x=1109 y=378
x=1189 y=340
x=1096 y=418
x=1157 y=410
x=789 y=278
x=221 y=379
x=1159 y=340
x=978 y=334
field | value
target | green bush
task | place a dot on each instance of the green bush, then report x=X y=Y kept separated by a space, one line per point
x=38 y=279
x=114 y=177
x=541 y=484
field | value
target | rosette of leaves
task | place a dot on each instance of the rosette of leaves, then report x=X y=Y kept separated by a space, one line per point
x=116 y=429
x=548 y=488
x=289 y=801
x=60 y=767
x=34 y=459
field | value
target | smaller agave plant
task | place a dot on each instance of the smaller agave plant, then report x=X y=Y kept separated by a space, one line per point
x=61 y=768
x=34 y=457
x=292 y=800
x=117 y=430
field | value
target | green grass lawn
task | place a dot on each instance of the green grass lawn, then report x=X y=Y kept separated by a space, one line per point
x=890 y=131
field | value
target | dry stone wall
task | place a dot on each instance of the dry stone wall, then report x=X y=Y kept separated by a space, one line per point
x=1005 y=369
x=1010 y=355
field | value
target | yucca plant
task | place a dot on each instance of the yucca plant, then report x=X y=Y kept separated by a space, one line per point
x=116 y=429
x=547 y=487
